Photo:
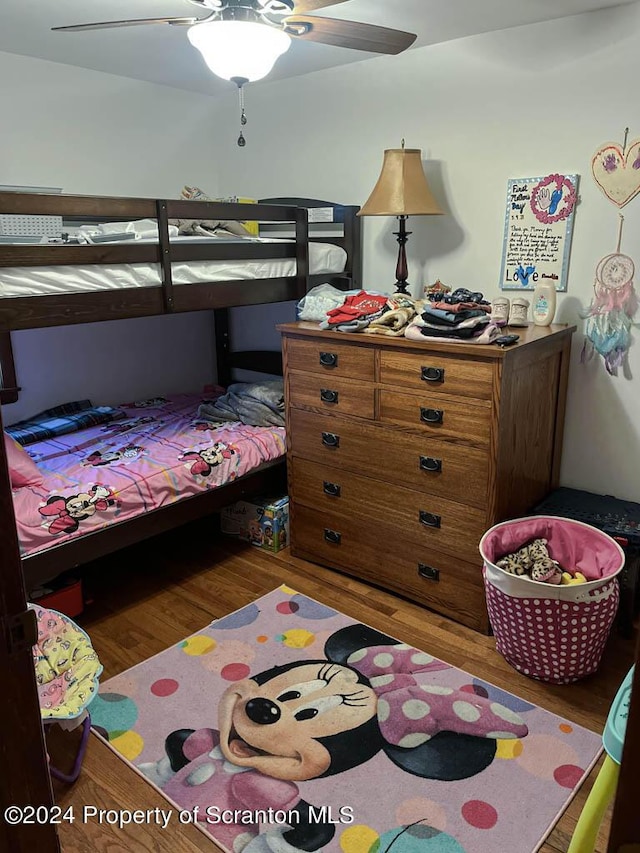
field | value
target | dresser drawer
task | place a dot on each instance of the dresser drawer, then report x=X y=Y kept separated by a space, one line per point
x=417 y=462
x=437 y=374
x=331 y=358
x=438 y=416
x=331 y=394
x=441 y=582
x=417 y=516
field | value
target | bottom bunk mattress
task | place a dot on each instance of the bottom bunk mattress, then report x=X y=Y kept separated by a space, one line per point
x=161 y=452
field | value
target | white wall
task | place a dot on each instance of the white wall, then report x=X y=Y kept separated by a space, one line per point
x=526 y=101
x=99 y=134
x=111 y=363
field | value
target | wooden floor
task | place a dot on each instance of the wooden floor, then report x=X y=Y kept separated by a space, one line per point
x=152 y=595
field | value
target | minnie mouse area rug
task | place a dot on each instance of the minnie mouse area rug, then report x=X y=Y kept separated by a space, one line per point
x=289 y=727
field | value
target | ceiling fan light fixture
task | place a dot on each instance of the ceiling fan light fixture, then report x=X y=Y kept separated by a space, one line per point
x=240 y=49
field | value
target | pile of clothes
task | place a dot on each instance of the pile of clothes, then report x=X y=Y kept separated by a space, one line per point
x=461 y=316
x=252 y=403
x=372 y=313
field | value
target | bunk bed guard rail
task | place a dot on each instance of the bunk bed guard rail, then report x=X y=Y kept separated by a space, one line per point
x=22 y=312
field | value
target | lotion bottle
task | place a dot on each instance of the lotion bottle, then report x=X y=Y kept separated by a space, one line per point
x=544 y=304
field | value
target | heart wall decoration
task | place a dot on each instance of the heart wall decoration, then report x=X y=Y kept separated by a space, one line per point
x=616 y=170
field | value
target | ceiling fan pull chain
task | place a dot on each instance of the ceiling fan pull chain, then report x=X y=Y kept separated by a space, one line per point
x=243 y=119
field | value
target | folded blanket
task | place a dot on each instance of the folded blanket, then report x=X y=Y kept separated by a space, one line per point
x=209 y=227
x=391 y=323
x=490 y=332
x=60 y=420
x=471 y=323
x=252 y=403
x=450 y=318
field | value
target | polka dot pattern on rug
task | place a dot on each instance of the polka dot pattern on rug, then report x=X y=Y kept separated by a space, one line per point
x=229 y=653
x=198 y=645
x=417 y=838
x=296 y=638
x=424 y=810
x=305 y=608
x=114 y=713
x=480 y=814
x=358 y=839
x=508 y=749
x=544 y=756
x=128 y=744
x=235 y=671
x=490 y=691
x=568 y=775
x=246 y=616
x=164 y=687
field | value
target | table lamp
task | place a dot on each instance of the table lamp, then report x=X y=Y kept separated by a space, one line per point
x=402 y=190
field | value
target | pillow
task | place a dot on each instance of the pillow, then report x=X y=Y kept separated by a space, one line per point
x=23 y=471
x=60 y=420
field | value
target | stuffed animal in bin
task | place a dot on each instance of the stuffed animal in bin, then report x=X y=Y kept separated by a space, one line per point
x=533 y=561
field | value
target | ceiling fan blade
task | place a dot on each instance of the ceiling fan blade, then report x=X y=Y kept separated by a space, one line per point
x=351 y=34
x=103 y=25
x=302 y=6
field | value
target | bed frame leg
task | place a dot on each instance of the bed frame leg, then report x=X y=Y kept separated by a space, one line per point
x=223 y=347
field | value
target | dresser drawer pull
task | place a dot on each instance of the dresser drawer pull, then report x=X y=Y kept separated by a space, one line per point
x=428 y=572
x=429 y=519
x=431 y=416
x=332 y=536
x=332 y=489
x=328 y=396
x=329 y=359
x=432 y=374
x=428 y=463
x=330 y=439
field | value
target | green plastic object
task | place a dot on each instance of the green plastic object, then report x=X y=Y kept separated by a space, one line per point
x=616 y=725
x=604 y=788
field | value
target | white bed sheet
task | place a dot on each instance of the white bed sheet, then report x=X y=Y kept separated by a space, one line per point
x=324 y=258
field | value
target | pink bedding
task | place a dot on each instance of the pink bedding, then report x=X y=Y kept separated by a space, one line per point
x=157 y=455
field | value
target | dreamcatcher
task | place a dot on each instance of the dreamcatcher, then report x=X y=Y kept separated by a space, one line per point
x=610 y=315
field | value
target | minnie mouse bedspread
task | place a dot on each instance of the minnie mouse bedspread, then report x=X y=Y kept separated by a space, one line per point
x=161 y=452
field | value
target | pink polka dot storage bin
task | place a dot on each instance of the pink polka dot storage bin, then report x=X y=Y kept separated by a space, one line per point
x=552 y=633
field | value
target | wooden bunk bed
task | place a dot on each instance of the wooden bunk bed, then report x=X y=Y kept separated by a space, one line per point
x=164 y=296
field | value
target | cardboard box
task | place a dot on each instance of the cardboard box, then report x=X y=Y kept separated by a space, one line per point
x=263 y=521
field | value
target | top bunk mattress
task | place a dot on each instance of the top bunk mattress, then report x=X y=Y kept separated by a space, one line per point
x=324 y=259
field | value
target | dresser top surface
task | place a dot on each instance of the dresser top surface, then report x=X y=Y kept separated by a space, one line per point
x=529 y=336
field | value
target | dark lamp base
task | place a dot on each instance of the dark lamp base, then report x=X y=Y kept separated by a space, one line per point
x=401 y=266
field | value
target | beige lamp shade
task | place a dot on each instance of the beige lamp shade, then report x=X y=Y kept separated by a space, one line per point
x=402 y=188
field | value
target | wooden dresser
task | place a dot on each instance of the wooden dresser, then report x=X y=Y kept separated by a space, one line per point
x=401 y=454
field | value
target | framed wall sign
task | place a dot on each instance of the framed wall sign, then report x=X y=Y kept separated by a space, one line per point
x=538 y=225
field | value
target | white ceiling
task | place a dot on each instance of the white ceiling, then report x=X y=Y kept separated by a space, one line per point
x=162 y=54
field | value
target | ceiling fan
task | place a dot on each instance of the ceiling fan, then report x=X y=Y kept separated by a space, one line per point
x=250 y=23
x=240 y=40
